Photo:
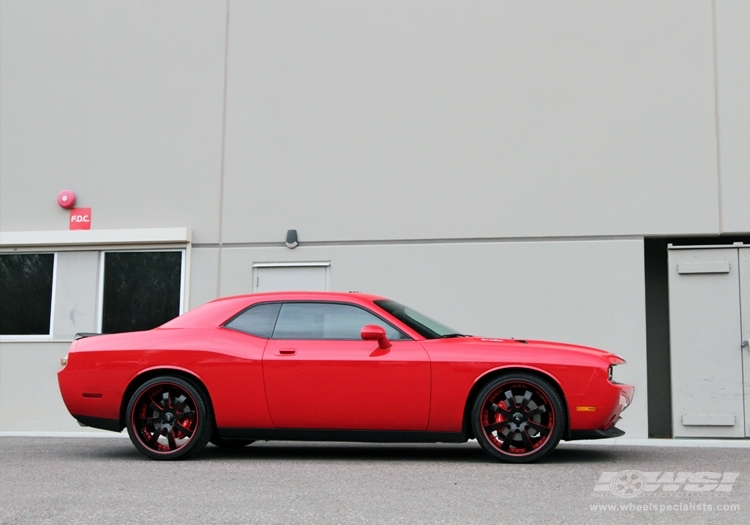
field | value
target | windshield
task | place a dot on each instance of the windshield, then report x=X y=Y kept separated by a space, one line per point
x=423 y=325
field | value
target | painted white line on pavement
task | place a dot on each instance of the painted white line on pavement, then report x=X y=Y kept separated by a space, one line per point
x=39 y=433
x=678 y=442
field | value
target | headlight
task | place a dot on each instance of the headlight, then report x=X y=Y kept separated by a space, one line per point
x=611 y=373
x=64 y=361
x=614 y=360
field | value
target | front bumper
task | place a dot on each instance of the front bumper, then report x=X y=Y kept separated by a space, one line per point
x=595 y=414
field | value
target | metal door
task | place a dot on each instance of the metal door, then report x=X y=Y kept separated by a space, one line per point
x=706 y=356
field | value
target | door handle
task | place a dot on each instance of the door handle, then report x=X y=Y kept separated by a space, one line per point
x=745 y=344
x=285 y=351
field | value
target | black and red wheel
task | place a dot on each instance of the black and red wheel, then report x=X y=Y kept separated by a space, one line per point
x=518 y=417
x=169 y=418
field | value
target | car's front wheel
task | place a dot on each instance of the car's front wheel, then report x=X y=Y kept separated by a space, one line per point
x=518 y=417
x=169 y=418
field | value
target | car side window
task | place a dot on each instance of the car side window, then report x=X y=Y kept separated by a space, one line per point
x=327 y=321
x=257 y=320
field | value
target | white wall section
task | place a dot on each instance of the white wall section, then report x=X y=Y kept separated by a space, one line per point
x=470 y=119
x=585 y=292
x=733 y=84
x=119 y=101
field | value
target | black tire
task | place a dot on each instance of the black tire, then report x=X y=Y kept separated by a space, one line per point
x=168 y=418
x=230 y=443
x=518 y=417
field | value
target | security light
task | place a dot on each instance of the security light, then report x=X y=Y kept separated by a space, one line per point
x=291 y=239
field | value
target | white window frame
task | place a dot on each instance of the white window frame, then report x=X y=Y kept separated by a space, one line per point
x=11 y=338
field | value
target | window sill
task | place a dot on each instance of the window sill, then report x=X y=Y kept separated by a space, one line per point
x=32 y=339
x=95 y=239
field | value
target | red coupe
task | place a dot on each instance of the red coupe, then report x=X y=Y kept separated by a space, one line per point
x=339 y=367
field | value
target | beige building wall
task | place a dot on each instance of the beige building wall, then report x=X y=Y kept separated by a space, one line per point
x=29 y=395
x=585 y=292
x=733 y=135
x=460 y=120
x=479 y=119
x=495 y=164
x=121 y=102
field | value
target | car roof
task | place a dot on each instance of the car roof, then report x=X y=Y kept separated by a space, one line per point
x=218 y=311
x=301 y=295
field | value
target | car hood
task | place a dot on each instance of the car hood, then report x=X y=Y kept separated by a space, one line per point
x=532 y=345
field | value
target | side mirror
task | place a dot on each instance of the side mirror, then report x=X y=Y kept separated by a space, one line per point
x=373 y=332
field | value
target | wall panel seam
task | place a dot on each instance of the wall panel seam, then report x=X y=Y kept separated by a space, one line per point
x=716 y=115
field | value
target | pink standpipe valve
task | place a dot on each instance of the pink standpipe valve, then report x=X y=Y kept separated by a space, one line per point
x=66 y=199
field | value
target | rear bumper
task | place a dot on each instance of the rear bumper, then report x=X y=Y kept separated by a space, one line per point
x=99 y=422
x=93 y=407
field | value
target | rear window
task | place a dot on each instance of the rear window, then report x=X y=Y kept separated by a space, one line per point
x=257 y=320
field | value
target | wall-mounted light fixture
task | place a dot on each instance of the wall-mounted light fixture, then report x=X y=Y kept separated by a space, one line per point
x=291 y=239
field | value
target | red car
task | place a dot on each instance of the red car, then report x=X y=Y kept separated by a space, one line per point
x=340 y=367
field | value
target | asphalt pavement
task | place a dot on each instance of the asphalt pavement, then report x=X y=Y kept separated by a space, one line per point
x=102 y=481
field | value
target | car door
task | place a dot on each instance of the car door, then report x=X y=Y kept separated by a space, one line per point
x=320 y=374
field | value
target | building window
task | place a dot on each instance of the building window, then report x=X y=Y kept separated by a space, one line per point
x=26 y=293
x=141 y=290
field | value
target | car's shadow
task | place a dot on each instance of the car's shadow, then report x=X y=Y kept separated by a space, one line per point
x=296 y=451
x=436 y=453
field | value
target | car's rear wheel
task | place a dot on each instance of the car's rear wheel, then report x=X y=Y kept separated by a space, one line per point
x=169 y=418
x=518 y=417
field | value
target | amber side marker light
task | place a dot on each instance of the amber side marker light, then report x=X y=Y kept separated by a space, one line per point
x=585 y=409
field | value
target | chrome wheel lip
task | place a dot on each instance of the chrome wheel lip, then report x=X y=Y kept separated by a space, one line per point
x=519 y=416
x=145 y=399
